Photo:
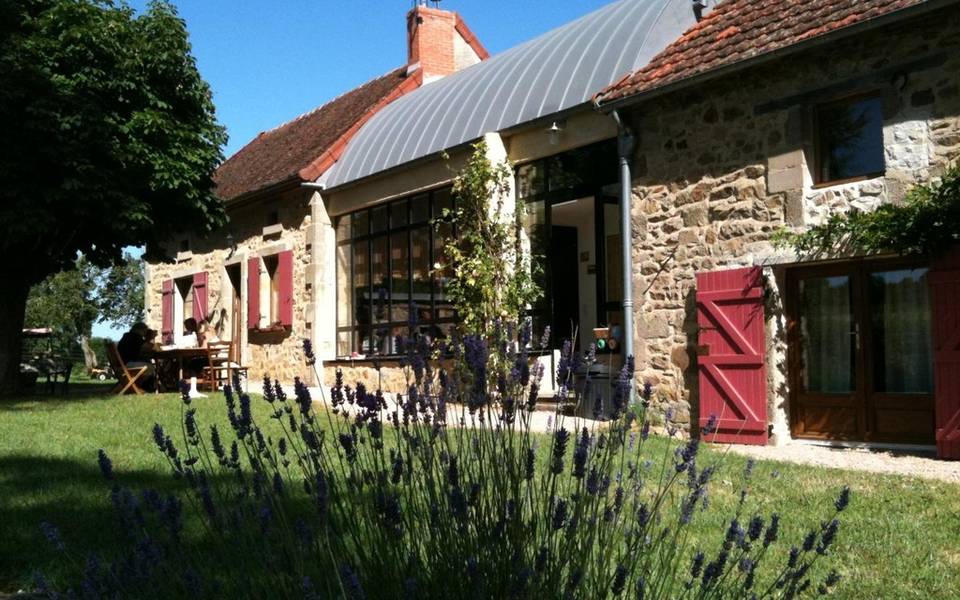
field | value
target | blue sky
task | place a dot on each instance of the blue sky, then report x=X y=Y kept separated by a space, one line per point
x=269 y=61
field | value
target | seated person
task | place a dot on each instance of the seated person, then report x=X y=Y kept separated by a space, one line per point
x=190 y=337
x=197 y=335
x=133 y=348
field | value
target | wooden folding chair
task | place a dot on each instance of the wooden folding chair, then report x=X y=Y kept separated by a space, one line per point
x=127 y=377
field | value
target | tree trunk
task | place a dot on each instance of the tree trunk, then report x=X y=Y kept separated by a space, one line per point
x=13 y=304
x=89 y=356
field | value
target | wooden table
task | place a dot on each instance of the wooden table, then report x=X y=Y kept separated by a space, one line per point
x=178 y=356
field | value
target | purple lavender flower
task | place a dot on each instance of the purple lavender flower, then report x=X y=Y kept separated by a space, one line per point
x=711 y=425
x=794 y=557
x=809 y=541
x=594 y=481
x=268 y=394
x=545 y=338
x=106 y=467
x=52 y=534
x=619 y=580
x=302 y=394
x=565 y=365
x=697 y=565
x=309 y=591
x=773 y=530
x=190 y=426
x=308 y=354
x=559 y=514
x=580 y=452
x=843 y=499
x=351 y=583
x=621 y=391
x=158 y=437
x=828 y=536
x=755 y=528
x=560 y=438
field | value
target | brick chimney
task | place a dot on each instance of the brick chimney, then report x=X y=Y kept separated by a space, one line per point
x=440 y=43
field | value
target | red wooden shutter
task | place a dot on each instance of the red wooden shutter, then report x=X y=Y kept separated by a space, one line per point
x=253 y=293
x=945 y=296
x=200 y=295
x=166 y=311
x=731 y=355
x=285 y=275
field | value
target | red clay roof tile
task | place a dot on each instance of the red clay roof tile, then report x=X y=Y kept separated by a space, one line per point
x=740 y=29
x=277 y=156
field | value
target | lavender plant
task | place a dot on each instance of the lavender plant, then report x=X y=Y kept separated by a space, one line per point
x=444 y=491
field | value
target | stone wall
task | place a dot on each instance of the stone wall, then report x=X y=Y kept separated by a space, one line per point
x=722 y=166
x=280 y=222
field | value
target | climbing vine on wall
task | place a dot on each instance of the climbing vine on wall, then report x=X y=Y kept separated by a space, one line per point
x=490 y=273
x=927 y=222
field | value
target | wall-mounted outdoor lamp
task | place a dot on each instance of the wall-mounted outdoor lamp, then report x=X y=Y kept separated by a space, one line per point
x=555 y=129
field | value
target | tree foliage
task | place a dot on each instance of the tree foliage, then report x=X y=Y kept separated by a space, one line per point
x=120 y=293
x=492 y=279
x=72 y=301
x=927 y=222
x=110 y=140
x=110 y=133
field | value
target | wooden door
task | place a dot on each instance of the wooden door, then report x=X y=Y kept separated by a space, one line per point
x=731 y=349
x=945 y=290
x=824 y=354
x=860 y=354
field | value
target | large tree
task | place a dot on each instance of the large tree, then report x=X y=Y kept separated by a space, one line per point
x=109 y=140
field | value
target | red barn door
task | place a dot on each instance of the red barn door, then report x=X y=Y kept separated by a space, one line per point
x=945 y=297
x=731 y=355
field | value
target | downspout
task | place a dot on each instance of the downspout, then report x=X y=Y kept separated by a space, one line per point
x=625 y=146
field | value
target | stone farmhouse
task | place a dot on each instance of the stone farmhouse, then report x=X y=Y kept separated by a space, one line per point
x=258 y=282
x=770 y=114
x=659 y=144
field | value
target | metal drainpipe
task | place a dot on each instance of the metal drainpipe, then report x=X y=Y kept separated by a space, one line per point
x=625 y=146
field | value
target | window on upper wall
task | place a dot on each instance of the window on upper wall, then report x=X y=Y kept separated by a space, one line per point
x=390 y=268
x=849 y=139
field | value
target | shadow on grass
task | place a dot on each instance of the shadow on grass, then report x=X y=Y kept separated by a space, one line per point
x=71 y=494
x=78 y=393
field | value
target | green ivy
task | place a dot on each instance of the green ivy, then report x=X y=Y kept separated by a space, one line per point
x=927 y=222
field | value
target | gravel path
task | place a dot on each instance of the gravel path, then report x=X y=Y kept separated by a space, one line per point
x=892 y=462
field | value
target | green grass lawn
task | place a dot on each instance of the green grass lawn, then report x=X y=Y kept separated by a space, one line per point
x=900 y=538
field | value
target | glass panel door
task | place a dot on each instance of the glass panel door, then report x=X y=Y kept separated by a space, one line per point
x=825 y=350
x=861 y=352
x=900 y=395
x=828 y=335
x=900 y=329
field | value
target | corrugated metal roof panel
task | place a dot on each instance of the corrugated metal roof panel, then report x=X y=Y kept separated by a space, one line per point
x=560 y=69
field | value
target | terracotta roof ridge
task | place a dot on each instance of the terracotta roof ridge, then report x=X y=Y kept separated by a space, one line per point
x=738 y=31
x=317 y=109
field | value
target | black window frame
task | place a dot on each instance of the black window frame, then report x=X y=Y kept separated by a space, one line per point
x=821 y=147
x=359 y=332
x=558 y=184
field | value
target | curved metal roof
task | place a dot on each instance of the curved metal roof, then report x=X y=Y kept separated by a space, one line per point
x=555 y=71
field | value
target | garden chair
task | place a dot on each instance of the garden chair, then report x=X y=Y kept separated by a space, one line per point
x=58 y=373
x=223 y=365
x=127 y=377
